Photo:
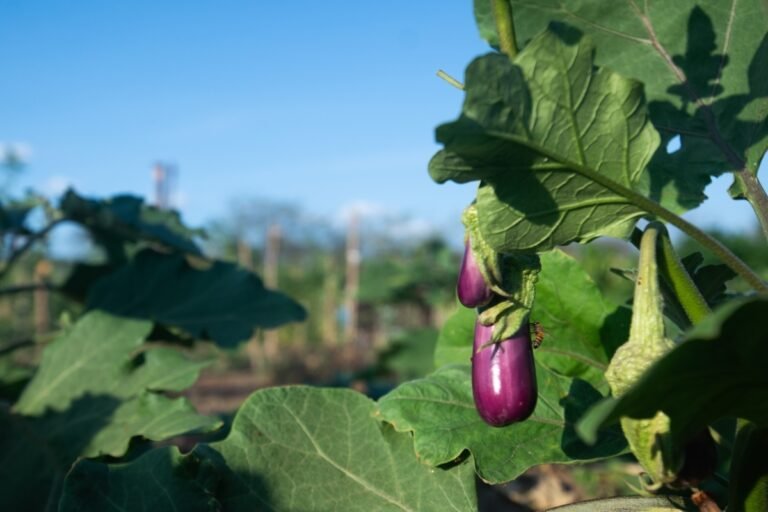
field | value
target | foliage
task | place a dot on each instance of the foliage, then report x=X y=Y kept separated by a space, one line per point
x=101 y=388
x=566 y=135
x=294 y=448
x=439 y=409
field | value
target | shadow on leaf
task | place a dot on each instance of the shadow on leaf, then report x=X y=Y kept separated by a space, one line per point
x=610 y=441
x=38 y=451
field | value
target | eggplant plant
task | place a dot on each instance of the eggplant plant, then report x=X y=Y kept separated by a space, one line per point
x=565 y=126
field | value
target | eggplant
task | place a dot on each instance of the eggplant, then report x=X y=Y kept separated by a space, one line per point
x=471 y=287
x=503 y=376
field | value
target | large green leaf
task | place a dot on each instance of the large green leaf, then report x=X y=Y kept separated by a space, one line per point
x=125 y=218
x=582 y=328
x=290 y=449
x=95 y=391
x=748 y=485
x=218 y=301
x=440 y=412
x=548 y=133
x=703 y=65
x=718 y=371
x=631 y=504
x=101 y=355
x=455 y=338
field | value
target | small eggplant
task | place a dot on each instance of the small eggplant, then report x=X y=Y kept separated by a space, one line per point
x=503 y=376
x=471 y=287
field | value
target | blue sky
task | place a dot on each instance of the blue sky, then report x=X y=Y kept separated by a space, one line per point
x=325 y=104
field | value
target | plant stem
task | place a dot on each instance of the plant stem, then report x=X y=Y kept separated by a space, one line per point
x=650 y=206
x=673 y=271
x=18 y=253
x=755 y=194
x=448 y=78
x=22 y=288
x=15 y=345
x=505 y=26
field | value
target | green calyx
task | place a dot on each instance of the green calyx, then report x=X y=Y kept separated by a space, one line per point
x=649 y=439
x=511 y=276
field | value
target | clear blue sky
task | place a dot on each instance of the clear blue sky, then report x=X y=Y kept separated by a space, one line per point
x=325 y=104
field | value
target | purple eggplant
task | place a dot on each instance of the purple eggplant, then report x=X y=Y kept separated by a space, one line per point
x=471 y=288
x=503 y=376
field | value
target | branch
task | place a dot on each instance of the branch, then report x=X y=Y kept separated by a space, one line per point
x=505 y=26
x=15 y=345
x=654 y=208
x=22 y=288
x=31 y=240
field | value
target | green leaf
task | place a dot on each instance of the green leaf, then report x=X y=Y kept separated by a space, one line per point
x=410 y=355
x=167 y=481
x=13 y=215
x=454 y=343
x=545 y=133
x=703 y=69
x=92 y=394
x=13 y=377
x=718 y=371
x=440 y=412
x=293 y=448
x=748 y=489
x=631 y=504
x=101 y=355
x=582 y=328
x=126 y=218
x=709 y=279
x=218 y=301
x=486 y=22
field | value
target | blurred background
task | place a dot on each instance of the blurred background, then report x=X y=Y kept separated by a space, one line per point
x=297 y=134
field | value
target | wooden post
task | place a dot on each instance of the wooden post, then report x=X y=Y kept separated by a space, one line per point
x=244 y=254
x=159 y=176
x=271 y=266
x=353 y=279
x=42 y=310
x=329 y=321
x=253 y=347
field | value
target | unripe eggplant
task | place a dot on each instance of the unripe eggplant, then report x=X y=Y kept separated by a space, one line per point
x=471 y=287
x=503 y=376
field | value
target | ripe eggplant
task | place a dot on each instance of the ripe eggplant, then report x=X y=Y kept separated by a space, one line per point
x=471 y=287
x=503 y=376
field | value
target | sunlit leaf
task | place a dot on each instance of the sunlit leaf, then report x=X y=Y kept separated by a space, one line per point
x=294 y=448
x=703 y=66
x=95 y=391
x=545 y=133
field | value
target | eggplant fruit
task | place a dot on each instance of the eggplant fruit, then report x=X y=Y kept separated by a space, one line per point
x=503 y=376
x=471 y=287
